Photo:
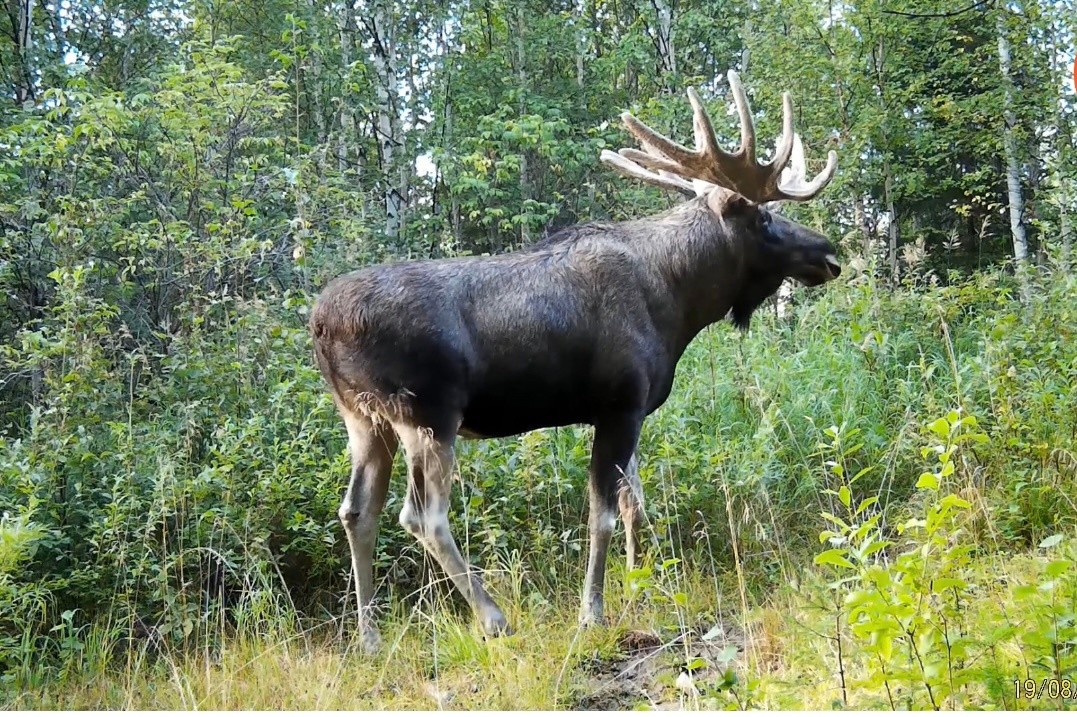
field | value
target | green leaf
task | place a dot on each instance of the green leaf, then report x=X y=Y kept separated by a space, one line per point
x=861 y=473
x=943 y=584
x=835 y=520
x=1051 y=541
x=1056 y=568
x=696 y=663
x=929 y=481
x=875 y=547
x=912 y=523
x=866 y=503
x=940 y=427
x=726 y=655
x=952 y=501
x=833 y=557
x=845 y=496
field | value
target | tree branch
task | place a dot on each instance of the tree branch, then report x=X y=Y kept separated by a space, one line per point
x=973 y=6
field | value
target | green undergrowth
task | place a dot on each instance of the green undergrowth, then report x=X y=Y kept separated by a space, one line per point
x=890 y=473
x=1010 y=633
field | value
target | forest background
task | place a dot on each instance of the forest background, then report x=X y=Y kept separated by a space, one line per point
x=867 y=501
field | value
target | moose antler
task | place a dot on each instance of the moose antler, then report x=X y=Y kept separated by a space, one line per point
x=667 y=164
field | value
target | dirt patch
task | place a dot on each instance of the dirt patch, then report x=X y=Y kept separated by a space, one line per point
x=661 y=671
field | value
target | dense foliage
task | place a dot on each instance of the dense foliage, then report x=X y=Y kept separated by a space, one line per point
x=177 y=179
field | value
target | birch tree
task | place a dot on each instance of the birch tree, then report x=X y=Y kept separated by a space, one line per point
x=1015 y=197
x=663 y=41
x=20 y=15
x=388 y=126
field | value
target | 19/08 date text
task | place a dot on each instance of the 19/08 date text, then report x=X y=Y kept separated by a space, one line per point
x=1049 y=687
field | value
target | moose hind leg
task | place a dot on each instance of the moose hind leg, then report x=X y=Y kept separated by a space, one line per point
x=630 y=499
x=615 y=443
x=426 y=516
x=371 y=447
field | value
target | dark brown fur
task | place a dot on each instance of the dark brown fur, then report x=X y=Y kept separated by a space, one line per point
x=588 y=322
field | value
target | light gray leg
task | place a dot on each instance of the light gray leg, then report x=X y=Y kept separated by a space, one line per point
x=615 y=443
x=630 y=498
x=426 y=516
x=371 y=450
x=600 y=524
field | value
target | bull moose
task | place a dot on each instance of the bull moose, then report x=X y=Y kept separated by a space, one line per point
x=583 y=327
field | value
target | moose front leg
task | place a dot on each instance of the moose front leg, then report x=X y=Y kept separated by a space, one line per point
x=611 y=456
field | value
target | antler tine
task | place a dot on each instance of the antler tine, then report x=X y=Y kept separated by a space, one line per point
x=650 y=161
x=771 y=181
x=663 y=179
x=794 y=184
x=785 y=143
x=747 y=125
x=709 y=154
x=655 y=141
x=667 y=164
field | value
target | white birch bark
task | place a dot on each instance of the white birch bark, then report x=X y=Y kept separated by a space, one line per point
x=1013 y=175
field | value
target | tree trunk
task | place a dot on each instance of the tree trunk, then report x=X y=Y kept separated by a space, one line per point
x=345 y=116
x=667 y=58
x=745 y=51
x=581 y=41
x=1064 y=149
x=521 y=108
x=783 y=299
x=22 y=15
x=879 y=60
x=454 y=206
x=416 y=109
x=1066 y=230
x=315 y=74
x=892 y=228
x=861 y=222
x=387 y=123
x=1013 y=175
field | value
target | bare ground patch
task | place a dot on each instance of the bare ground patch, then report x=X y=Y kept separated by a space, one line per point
x=661 y=670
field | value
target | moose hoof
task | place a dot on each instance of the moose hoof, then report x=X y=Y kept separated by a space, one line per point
x=494 y=624
x=592 y=618
x=371 y=641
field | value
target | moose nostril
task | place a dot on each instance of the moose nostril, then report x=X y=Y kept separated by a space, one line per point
x=832 y=265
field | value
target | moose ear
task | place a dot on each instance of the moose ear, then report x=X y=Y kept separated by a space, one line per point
x=739 y=204
x=727 y=203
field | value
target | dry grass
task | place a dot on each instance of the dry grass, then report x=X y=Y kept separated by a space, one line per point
x=655 y=653
x=433 y=656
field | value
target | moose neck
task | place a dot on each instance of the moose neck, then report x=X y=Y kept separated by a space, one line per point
x=705 y=263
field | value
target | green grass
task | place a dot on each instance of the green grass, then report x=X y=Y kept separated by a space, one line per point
x=434 y=656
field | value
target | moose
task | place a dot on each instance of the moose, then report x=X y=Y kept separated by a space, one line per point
x=583 y=327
